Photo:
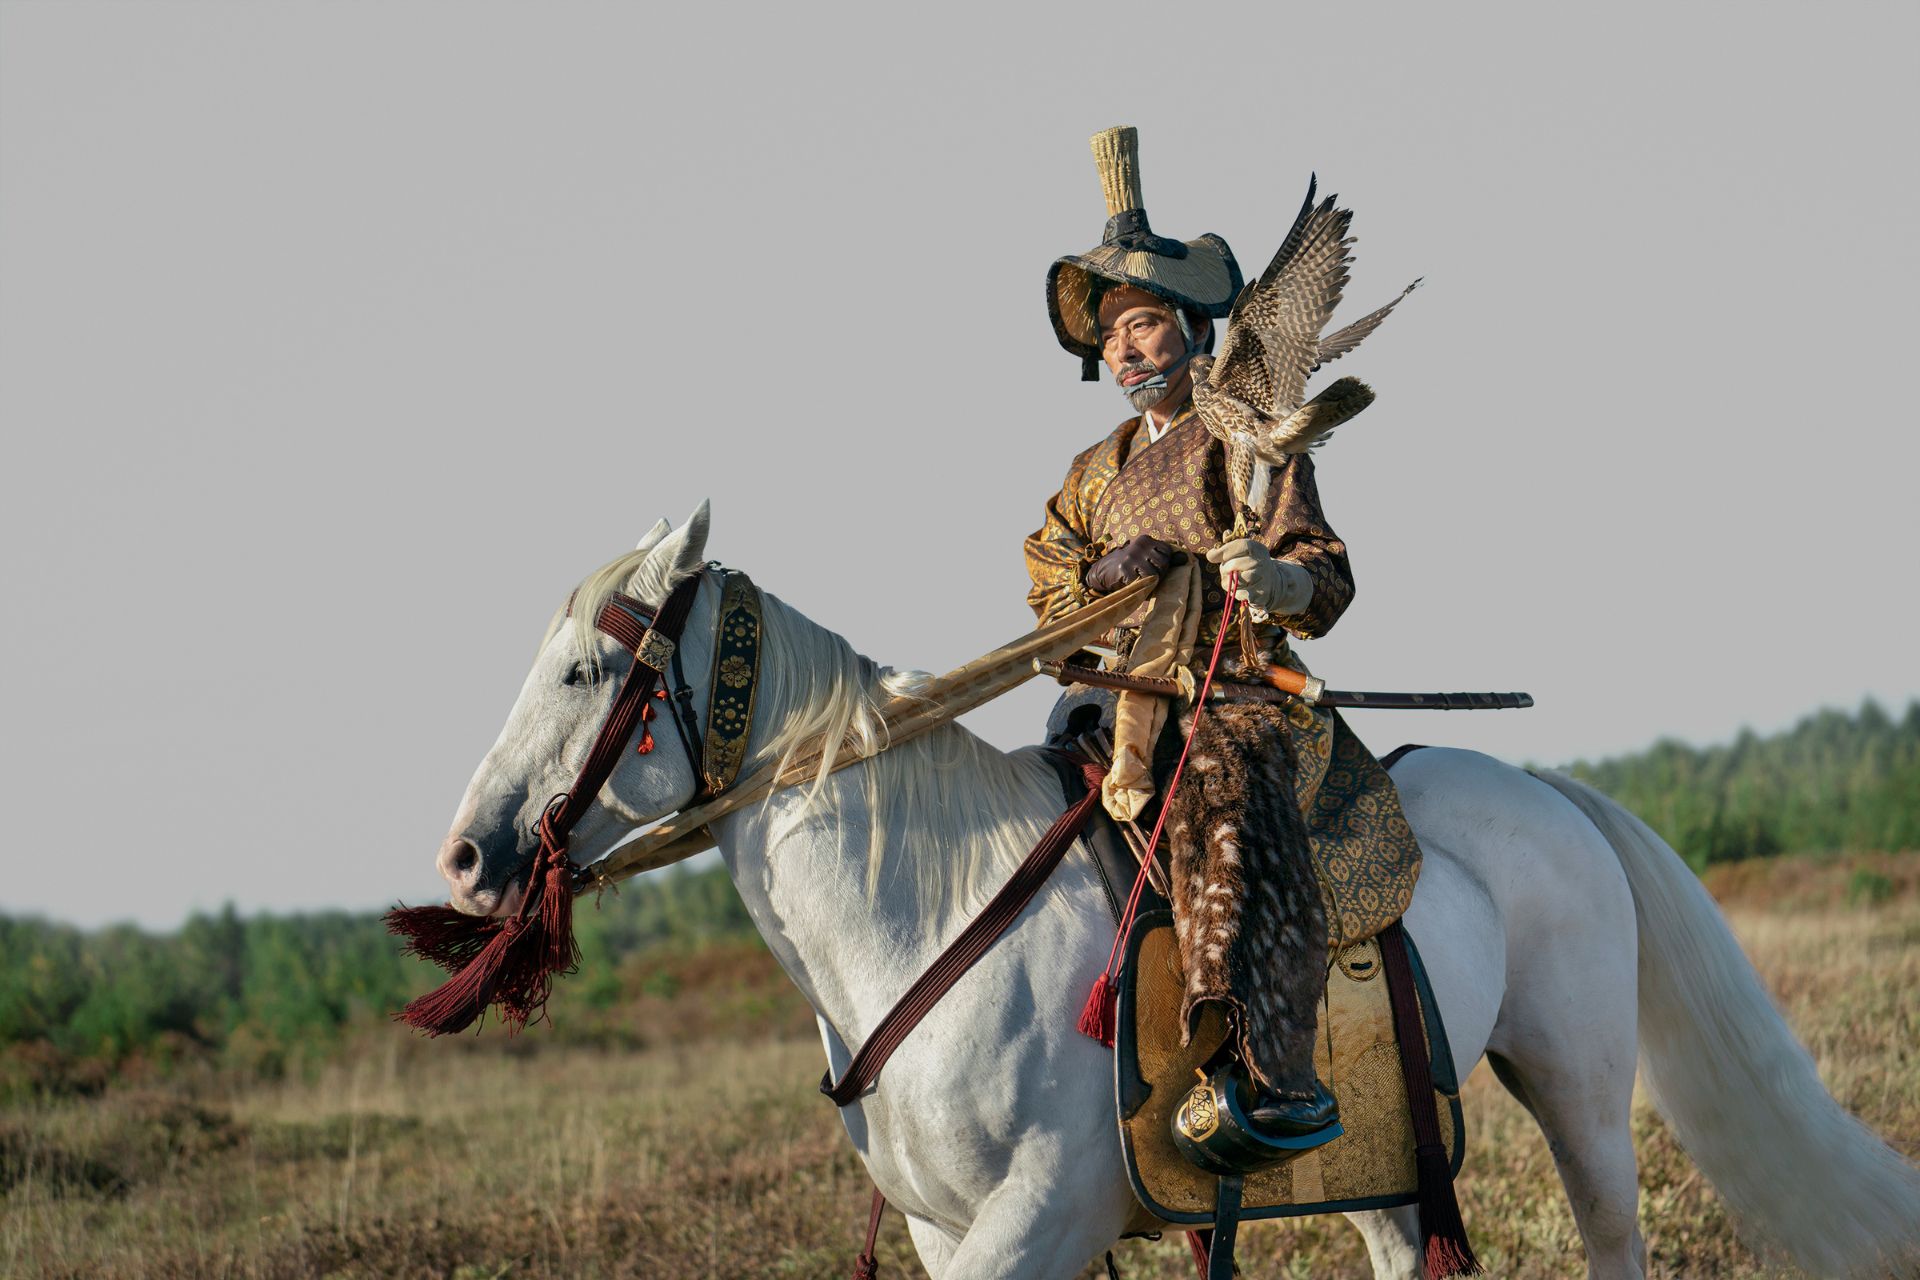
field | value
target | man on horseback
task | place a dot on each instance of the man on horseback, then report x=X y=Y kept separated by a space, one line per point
x=1286 y=835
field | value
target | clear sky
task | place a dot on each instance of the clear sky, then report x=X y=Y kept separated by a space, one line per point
x=337 y=341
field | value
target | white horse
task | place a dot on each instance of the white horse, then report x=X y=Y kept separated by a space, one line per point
x=1563 y=939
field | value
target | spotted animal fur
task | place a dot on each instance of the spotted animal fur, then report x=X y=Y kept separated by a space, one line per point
x=1248 y=914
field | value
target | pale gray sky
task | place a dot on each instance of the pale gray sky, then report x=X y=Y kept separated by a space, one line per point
x=337 y=341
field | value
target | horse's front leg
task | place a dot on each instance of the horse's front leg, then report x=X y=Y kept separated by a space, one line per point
x=1043 y=1223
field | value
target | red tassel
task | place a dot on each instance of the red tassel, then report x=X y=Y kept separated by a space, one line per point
x=449 y=938
x=509 y=963
x=1098 y=1017
x=1443 y=1236
x=562 y=953
x=457 y=1002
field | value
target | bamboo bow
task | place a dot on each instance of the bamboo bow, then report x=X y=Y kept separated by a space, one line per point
x=904 y=718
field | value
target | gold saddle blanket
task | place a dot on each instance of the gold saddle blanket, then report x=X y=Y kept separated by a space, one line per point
x=1370 y=1166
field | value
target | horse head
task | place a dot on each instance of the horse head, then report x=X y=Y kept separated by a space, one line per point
x=555 y=721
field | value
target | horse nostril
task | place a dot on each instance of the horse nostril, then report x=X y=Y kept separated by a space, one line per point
x=465 y=858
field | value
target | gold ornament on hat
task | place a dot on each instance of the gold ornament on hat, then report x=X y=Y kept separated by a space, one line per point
x=1116 y=153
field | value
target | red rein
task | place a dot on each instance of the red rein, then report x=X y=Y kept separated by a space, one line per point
x=510 y=964
x=1099 y=1016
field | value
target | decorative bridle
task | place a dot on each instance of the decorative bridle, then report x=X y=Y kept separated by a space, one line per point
x=511 y=964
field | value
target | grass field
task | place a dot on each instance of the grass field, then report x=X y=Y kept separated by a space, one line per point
x=701 y=1149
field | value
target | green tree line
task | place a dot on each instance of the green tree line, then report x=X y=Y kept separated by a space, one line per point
x=1834 y=782
x=263 y=990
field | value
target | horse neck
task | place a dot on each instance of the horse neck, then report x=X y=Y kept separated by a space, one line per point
x=857 y=883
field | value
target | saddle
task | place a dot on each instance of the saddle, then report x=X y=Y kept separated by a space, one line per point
x=1380 y=1045
x=1358 y=1054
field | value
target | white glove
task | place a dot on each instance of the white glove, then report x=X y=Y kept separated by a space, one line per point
x=1268 y=586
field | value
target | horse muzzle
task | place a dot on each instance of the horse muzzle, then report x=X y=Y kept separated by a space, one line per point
x=465 y=869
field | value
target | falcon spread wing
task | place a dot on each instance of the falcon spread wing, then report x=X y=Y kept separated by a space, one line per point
x=1250 y=395
x=1273 y=331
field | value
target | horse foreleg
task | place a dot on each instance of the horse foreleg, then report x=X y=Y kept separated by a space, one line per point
x=1039 y=1225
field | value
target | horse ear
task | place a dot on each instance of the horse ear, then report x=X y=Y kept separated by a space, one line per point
x=651 y=537
x=674 y=558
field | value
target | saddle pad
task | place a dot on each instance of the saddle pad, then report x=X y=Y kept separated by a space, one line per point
x=1369 y=1167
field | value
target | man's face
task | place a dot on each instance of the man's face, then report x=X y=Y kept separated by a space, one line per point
x=1138 y=338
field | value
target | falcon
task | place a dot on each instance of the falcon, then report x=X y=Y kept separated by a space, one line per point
x=1250 y=395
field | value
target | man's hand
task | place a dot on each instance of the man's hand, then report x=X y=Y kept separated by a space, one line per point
x=1267 y=585
x=1140 y=558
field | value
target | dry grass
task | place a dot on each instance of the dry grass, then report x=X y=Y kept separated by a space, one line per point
x=717 y=1158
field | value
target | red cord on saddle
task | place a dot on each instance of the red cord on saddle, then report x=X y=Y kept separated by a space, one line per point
x=1100 y=1015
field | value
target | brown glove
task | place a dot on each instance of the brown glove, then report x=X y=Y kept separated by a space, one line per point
x=1141 y=557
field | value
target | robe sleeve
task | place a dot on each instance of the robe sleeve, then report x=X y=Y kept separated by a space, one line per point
x=1298 y=532
x=1059 y=551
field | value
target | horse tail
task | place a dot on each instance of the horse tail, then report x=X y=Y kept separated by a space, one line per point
x=1741 y=1094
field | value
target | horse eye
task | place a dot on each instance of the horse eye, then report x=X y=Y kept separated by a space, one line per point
x=577 y=674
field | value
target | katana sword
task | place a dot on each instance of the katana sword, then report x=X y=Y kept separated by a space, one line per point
x=1281 y=682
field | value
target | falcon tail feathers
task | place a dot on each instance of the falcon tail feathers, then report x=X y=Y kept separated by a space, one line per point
x=1310 y=424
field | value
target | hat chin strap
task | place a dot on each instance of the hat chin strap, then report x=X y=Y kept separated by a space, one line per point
x=1161 y=377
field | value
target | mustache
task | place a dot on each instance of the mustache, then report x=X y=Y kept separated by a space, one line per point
x=1138 y=366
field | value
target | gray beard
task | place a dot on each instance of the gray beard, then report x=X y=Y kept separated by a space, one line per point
x=1144 y=398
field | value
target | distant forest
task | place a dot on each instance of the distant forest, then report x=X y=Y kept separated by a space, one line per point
x=1833 y=782
x=268 y=993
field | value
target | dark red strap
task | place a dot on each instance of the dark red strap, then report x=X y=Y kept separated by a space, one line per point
x=1414 y=1069
x=1443 y=1237
x=980 y=934
x=1200 y=1244
x=651 y=647
x=650 y=641
x=867 y=1265
x=511 y=963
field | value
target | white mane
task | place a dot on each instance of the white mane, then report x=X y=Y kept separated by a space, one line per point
x=952 y=790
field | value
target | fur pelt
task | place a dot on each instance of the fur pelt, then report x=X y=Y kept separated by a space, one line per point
x=1248 y=913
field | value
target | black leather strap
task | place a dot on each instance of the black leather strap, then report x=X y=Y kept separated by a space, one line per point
x=680 y=706
x=1226 y=1225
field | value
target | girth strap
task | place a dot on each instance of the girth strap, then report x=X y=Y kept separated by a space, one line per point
x=973 y=942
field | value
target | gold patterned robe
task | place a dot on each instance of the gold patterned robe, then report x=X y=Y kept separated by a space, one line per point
x=1175 y=490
